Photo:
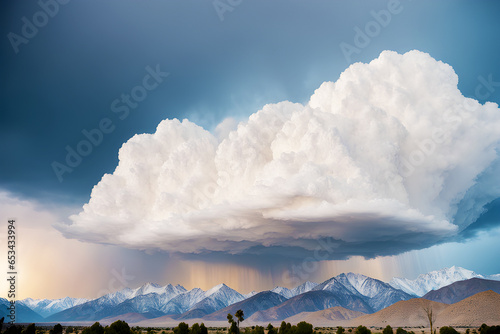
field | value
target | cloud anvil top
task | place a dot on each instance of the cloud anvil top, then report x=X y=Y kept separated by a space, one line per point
x=392 y=149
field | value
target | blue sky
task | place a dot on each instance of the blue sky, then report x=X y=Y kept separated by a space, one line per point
x=65 y=78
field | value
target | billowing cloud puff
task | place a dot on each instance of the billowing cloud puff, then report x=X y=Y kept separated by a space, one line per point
x=388 y=158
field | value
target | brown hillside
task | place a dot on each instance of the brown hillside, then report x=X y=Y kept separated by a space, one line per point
x=127 y=317
x=328 y=317
x=483 y=307
x=404 y=313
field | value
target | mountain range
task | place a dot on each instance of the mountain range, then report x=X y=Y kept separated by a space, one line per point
x=351 y=292
x=436 y=279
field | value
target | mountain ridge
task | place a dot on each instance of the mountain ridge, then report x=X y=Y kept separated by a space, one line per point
x=436 y=279
x=355 y=292
x=461 y=290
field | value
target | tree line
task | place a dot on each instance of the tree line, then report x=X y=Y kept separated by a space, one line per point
x=121 y=327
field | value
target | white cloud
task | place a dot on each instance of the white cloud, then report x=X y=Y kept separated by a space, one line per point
x=384 y=155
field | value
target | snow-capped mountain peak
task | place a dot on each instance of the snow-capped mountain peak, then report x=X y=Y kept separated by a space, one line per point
x=304 y=287
x=147 y=288
x=168 y=291
x=224 y=294
x=215 y=289
x=356 y=280
x=433 y=280
x=287 y=293
x=250 y=294
x=215 y=299
x=359 y=284
x=334 y=285
x=46 y=307
x=31 y=303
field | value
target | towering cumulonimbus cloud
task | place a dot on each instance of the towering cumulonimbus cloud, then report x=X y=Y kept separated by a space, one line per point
x=390 y=157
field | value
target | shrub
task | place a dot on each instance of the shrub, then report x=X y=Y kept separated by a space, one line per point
x=304 y=328
x=14 y=329
x=447 y=330
x=58 y=329
x=491 y=330
x=96 y=328
x=118 y=327
x=258 y=330
x=271 y=329
x=195 y=329
x=362 y=330
x=31 y=329
x=182 y=328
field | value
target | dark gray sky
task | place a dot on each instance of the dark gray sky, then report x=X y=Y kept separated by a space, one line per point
x=65 y=78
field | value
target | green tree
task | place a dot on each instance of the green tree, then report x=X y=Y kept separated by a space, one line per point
x=401 y=331
x=493 y=330
x=282 y=329
x=118 y=327
x=182 y=328
x=240 y=317
x=271 y=329
x=96 y=328
x=258 y=330
x=195 y=329
x=388 y=330
x=306 y=328
x=233 y=329
x=340 y=330
x=57 y=329
x=483 y=328
x=69 y=329
x=14 y=329
x=203 y=329
x=362 y=330
x=31 y=329
x=447 y=330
